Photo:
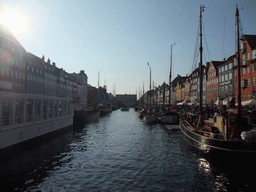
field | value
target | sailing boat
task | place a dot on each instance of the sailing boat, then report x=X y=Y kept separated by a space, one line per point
x=226 y=132
x=150 y=117
x=170 y=117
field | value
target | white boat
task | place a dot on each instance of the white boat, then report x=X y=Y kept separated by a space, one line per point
x=27 y=116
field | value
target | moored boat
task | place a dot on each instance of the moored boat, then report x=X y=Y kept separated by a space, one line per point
x=169 y=118
x=105 y=109
x=229 y=131
x=125 y=109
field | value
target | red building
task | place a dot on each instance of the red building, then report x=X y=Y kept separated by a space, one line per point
x=248 y=71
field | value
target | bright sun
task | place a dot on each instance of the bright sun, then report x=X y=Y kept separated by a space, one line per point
x=15 y=20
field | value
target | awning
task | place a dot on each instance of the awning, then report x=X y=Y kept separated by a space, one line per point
x=182 y=103
x=248 y=102
x=224 y=101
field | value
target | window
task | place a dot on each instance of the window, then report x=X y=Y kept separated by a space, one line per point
x=248 y=82
x=248 y=56
x=243 y=71
x=254 y=81
x=235 y=62
x=226 y=67
x=244 y=97
x=220 y=70
x=226 y=77
x=249 y=96
x=248 y=69
x=253 y=67
x=222 y=78
x=230 y=66
x=253 y=54
x=243 y=62
x=230 y=76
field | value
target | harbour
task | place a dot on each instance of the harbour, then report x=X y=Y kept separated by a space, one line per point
x=63 y=129
x=121 y=153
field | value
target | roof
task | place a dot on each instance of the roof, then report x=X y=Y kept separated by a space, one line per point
x=6 y=33
x=251 y=39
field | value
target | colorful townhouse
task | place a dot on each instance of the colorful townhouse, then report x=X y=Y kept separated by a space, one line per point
x=248 y=71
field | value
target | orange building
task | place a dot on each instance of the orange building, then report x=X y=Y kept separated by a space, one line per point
x=248 y=71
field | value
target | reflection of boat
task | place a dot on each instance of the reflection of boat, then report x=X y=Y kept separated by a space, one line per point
x=105 y=109
x=227 y=131
x=125 y=109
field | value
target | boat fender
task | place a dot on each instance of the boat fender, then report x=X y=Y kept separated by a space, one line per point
x=248 y=135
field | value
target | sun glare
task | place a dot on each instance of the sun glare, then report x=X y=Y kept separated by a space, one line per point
x=15 y=20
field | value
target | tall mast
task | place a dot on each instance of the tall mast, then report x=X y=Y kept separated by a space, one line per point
x=200 y=120
x=238 y=64
x=170 y=78
x=143 y=95
x=98 y=87
x=149 y=87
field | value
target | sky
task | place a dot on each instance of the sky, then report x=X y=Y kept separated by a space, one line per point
x=117 y=38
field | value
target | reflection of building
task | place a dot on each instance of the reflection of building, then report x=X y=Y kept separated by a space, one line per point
x=127 y=100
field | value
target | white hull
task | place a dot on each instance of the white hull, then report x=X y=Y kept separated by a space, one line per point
x=16 y=134
x=27 y=116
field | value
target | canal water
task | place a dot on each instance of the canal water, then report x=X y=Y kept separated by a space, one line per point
x=120 y=153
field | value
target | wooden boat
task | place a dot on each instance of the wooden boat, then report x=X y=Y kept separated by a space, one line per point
x=150 y=118
x=169 y=118
x=226 y=132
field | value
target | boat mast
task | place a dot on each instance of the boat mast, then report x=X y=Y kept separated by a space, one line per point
x=200 y=120
x=170 y=78
x=238 y=64
x=149 y=88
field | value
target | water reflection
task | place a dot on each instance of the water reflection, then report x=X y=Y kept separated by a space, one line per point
x=31 y=166
x=120 y=153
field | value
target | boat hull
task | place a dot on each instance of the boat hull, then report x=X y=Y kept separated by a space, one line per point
x=169 y=119
x=17 y=134
x=124 y=109
x=207 y=144
x=86 y=116
x=149 y=119
x=105 y=111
